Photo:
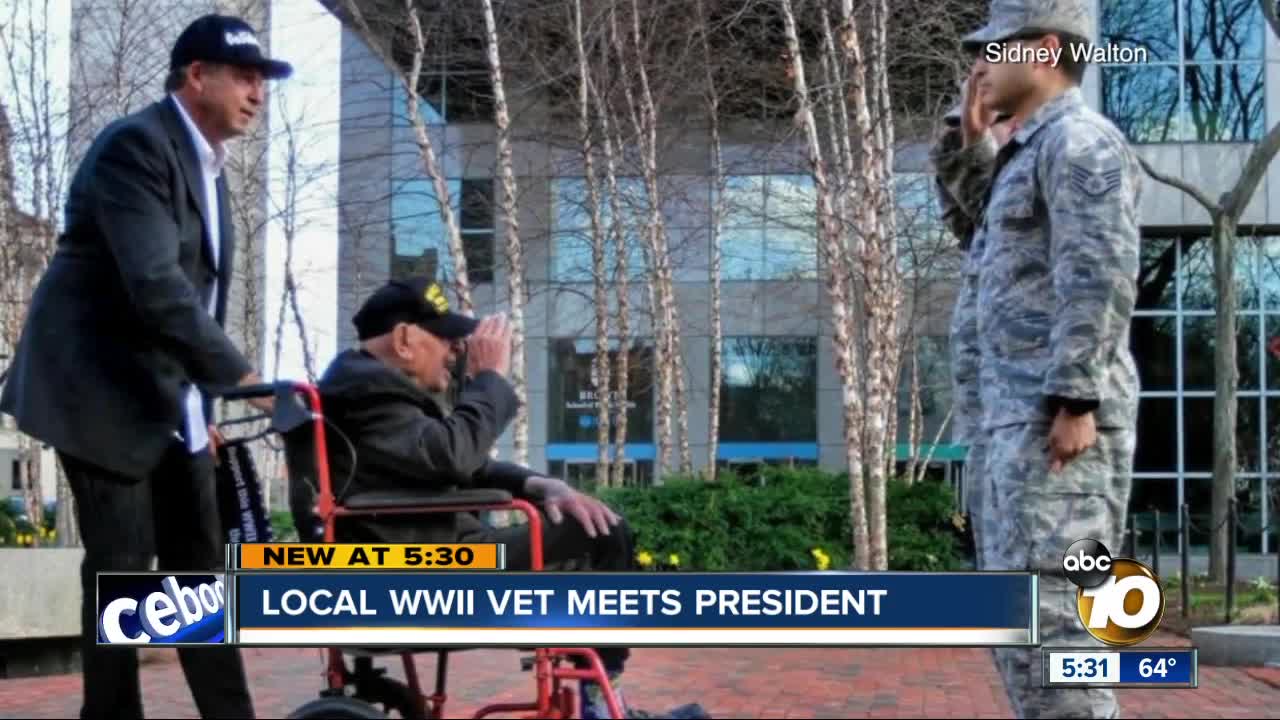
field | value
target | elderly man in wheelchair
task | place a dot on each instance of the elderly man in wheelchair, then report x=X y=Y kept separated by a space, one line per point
x=381 y=399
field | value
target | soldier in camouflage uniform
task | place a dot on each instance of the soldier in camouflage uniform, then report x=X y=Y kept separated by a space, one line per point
x=1057 y=261
x=963 y=167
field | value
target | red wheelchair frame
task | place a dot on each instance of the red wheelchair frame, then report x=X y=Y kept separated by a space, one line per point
x=554 y=699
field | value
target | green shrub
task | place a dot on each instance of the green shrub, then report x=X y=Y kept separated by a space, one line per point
x=282 y=528
x=8 y=531
x=775 y=520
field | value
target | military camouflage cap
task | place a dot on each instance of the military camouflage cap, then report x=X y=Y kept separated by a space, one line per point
x=1015 y=17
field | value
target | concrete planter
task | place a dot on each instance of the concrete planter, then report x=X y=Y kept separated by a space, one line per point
x=40 y=597
x=1238 y=645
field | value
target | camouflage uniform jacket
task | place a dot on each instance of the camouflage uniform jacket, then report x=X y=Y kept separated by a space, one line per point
x=963 y=176
x=1057 y=257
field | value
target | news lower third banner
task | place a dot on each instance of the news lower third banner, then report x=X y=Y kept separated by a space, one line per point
x=403 y=595
x=517 y=609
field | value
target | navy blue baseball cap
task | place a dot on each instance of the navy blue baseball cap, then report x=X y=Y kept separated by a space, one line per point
x=420 y=301
x=227 y=40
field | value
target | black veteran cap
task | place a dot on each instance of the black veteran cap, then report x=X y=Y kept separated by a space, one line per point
x=227 y=40
x=420 y=301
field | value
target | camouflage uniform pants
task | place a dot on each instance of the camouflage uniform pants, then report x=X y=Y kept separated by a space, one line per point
x=1036 y=516
x=977 y=484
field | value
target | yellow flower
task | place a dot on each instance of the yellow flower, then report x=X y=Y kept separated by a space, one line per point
x=823 y=560
x=644 y=559
x=673 y=560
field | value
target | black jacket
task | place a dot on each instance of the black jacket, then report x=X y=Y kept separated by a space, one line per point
x=403 y=439
x=119 y=327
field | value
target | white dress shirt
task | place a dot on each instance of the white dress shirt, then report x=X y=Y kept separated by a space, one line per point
x=211 y=162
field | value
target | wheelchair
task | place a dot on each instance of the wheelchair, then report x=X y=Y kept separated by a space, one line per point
x=356 y=690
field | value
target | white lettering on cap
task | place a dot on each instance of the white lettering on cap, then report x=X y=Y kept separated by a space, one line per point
x=243 y=37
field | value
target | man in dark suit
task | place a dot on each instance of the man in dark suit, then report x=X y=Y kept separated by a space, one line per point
x=124 y=345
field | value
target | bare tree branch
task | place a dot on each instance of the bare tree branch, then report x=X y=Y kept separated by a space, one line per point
x=1186 y=187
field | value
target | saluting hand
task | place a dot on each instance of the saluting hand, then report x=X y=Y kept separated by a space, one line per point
x=975 y=119
x=489 y=347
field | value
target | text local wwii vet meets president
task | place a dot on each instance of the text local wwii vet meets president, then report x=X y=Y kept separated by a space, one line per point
x=125 y=330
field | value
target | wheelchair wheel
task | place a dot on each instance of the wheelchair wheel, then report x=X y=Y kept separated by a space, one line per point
x=338 y=708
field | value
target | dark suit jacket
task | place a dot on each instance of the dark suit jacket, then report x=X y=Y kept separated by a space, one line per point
x=404 y=440
x=119 y=327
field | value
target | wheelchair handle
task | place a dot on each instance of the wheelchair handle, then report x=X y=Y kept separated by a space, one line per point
x=249 y=392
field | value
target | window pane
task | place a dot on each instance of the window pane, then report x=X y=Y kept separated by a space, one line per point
x=633 y=202
x=1248 y=271
x=1149 y=495
x=1157 y=284
x=744 y=201
x=419 y=240
x=1225 y=103
x=1248 y=494
x=1154 y=343
x=1199 y=343
x=572 y=394
x=1197 y=274
x=581 y=474
x=430 y=102
x=1270 y=272
x=1248 y=351
x=790 y=254
x=572 y=204
x=1197 y=427
x=1198 y=346
x=1273 y=439
x=570 y=257
x=1142 y=100
x=742 y=254
x=1150 y=24
x=934 y=371
x=1222 y=30
x=792 y=202
x=477 y=247
x=1198 y=286
x=1249 y=501
x=1249 y=435
x=468 y=98
x=1157 y=438
x=769 y=390
x=1272 y=349
x=477 y=205
x=1198 y=494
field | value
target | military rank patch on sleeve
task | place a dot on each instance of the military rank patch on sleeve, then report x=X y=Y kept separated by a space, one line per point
x=1094 y=182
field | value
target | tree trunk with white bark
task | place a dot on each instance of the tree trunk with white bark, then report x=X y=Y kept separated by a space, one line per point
x=600 y=378
x=838 y=283
x=514 y=246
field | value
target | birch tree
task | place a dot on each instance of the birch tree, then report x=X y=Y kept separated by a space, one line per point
x=39 y=122
x=857 y=237
x=511 y=227
x=629 y=52
x=717 y=217
x=610 y=137
x=600 y=377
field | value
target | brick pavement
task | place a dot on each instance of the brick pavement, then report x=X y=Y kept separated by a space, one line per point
x=750 y=683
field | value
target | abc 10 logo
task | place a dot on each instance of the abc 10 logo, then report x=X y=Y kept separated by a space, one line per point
x=1119 y=600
